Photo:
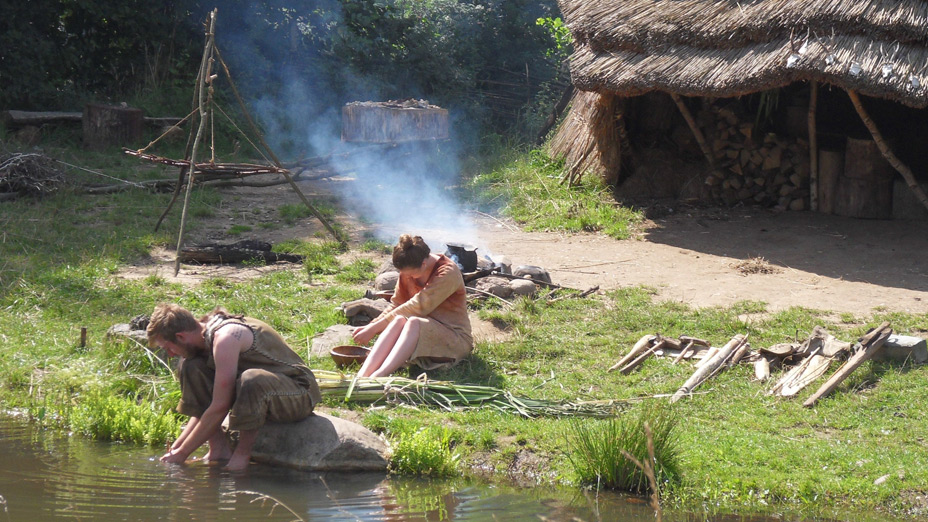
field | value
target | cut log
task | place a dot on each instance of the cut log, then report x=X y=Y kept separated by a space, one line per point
x=708 y=369
x=866 y=189
x=863 y=350
x=393 y=121
x=111 y=126
x=639 y=347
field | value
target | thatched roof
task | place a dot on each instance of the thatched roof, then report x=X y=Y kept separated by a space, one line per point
x=726 y=48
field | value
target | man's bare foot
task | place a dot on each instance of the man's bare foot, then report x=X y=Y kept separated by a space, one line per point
x=218 y=457
x=237 y=463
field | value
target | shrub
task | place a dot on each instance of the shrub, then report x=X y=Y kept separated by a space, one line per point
x=426 y=451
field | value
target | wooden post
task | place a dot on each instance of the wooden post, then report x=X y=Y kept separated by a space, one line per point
x=887 y=153
x=813 y=149
x=83 y=336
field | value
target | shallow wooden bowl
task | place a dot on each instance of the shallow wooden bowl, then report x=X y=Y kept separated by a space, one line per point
x=347 y=355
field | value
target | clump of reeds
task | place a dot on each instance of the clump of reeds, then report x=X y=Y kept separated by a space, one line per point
x=426 y=451
x=596 y=449
x=451 y=396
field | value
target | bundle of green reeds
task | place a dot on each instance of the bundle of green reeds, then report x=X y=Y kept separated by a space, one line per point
x=451 y=396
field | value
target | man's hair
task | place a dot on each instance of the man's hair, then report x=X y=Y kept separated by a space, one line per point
x=410 y=252
x=168 y=320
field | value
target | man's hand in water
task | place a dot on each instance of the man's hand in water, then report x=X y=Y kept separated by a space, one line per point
x=174 y=457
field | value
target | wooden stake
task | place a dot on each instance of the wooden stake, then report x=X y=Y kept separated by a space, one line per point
x=83 y=337
x=887 y=152
x=813 y=149
x=863 y=350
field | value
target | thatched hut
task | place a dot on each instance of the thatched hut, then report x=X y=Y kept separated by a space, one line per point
x=728 y=49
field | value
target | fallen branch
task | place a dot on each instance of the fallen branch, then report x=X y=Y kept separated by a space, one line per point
x=582 y=294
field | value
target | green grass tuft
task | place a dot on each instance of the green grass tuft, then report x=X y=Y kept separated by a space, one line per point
x=595 y=449
x=425 y=451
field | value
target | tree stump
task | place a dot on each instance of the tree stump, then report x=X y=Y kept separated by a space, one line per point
x=111 y=126
x=866 y=188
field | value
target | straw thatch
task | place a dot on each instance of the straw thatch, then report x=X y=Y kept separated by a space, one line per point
x=588 y=140
x=728 y=48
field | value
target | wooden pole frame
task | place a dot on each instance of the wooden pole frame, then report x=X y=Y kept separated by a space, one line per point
x=204 y=78
x=887 y=152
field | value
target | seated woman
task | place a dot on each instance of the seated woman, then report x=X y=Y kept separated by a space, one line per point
x=426 y=323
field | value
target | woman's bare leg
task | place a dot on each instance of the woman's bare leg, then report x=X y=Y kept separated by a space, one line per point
x=403 y=349
x=382 y=347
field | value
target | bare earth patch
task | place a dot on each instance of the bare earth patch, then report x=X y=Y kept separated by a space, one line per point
x=699 y=257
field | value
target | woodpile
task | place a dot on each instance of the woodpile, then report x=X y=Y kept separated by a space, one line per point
x=755 y=169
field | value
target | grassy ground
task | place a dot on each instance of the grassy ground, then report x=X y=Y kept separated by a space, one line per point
x=738 y=449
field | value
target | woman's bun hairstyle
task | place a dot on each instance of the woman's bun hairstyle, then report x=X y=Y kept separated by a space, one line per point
x=410 y=252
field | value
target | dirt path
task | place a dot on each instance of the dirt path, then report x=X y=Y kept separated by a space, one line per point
x=818 y=261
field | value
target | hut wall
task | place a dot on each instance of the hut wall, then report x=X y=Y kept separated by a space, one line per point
x=588 y=140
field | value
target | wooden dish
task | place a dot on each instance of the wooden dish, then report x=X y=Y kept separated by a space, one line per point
x=347 y=355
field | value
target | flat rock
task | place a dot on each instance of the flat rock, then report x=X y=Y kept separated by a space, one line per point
x=126 y=330
x=522 y=287
x=321 y=442
x=335 y=335
x=386 y=280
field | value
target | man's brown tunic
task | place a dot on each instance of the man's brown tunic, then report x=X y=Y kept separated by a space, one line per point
x=273 y=382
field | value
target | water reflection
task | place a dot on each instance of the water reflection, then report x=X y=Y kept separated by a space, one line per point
x=48 y=474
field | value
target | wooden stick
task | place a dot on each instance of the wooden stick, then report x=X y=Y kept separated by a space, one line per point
x=887 y=152
x=813 y=149
x=683 y=351
x=739 y=354
x=700 y=139
x=708 y=369
x=864 y=349
x=640 y=359
x=639 y=346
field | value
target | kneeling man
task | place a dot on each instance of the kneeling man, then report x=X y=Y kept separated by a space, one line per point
x=232 y=365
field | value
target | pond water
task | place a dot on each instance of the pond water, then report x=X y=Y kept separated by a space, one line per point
x=48 y=474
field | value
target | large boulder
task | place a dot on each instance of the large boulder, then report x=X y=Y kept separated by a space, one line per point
x=321 y=443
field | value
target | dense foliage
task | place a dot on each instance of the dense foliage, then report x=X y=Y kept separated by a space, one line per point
x=296 y=62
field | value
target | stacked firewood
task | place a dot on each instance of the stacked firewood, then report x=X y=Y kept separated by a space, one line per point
x=765 y=170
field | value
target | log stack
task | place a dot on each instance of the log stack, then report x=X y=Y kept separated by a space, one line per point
x=767 y=170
